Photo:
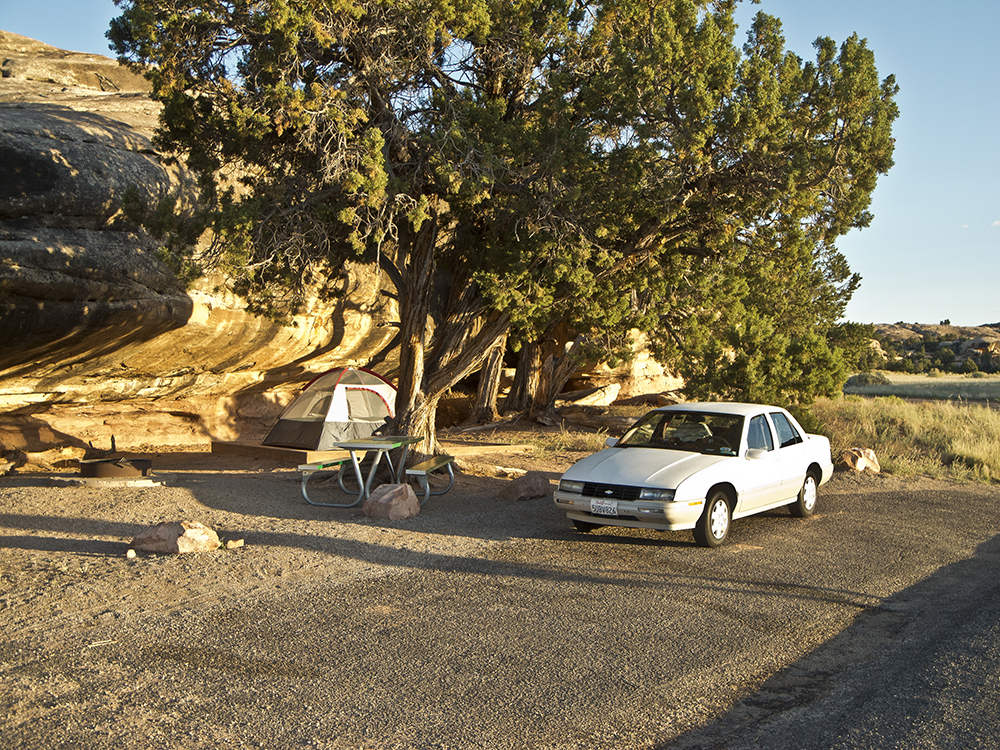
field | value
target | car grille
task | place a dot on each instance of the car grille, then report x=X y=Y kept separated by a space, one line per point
x=610 y=491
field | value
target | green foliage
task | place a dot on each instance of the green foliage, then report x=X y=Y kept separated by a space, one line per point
x=755 y=362
x=868 y=378
x=854 y=341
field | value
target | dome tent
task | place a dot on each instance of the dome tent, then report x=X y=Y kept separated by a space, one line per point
x=343 y=404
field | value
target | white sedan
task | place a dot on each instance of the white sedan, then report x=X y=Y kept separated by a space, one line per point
x=698 y=466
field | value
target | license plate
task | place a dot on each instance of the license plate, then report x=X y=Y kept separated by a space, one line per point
x=604 y=507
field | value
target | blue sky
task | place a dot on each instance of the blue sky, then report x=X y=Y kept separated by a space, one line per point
x=932 y=252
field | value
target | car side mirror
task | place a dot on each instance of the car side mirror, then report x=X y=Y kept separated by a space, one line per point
x=755 y=454
x=611 y=442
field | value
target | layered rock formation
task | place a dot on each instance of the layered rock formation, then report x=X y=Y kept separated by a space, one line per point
x=90 y=319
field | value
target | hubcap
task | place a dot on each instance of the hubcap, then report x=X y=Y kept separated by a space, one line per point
x=809 y=493
x=720 y=519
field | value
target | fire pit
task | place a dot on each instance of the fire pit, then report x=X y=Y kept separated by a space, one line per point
x=115 y=467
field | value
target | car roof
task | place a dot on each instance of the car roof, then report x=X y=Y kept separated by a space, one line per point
x=721 y=407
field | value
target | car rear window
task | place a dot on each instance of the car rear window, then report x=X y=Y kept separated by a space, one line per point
x=787 y=434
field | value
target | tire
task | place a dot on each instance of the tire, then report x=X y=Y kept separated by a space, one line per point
x=713 y=526
x=805 y=504
x=584 y=527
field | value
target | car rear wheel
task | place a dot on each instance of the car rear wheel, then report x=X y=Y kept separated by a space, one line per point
x=805 y=503
x=584 y=526
x=713 y=526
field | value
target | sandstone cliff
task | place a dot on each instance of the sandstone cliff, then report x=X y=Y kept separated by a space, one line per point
x=92 y=326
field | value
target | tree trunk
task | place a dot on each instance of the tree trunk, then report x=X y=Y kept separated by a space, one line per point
x=418 y=418
x=485 y=410
x=528 y=395
x=464 y=337
x=553 y=376
x=543 y=385
x=418 y=421
x=417 y=266
x=522 y=392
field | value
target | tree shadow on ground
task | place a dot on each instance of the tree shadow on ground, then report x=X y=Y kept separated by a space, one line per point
x=909 y=672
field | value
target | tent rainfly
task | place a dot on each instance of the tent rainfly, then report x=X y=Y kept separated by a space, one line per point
x=343 y=404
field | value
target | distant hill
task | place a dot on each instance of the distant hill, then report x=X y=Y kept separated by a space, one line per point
x=942 y=332
x=919 y=347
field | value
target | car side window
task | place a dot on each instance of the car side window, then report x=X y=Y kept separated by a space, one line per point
x=787 y=434
x=759 y=435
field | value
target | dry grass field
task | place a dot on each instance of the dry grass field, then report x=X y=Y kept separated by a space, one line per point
x=944 y=387
x=947 y=439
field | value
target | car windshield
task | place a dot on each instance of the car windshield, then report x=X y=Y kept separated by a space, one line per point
x=700 y=432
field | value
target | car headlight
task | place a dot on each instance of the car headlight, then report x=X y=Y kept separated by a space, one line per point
x=568 y=485
x=650 y=493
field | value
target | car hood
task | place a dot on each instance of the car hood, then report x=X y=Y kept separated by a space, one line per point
x=641 y=467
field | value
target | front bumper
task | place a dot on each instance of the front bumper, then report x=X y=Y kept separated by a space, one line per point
x=638 y=514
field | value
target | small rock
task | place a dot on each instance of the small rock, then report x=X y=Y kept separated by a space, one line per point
x=531 y=485
x=176 y=537
x=234 y=544
x=130 y=554
x=395 y=502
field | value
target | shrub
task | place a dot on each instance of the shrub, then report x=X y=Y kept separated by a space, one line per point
x=868 y=378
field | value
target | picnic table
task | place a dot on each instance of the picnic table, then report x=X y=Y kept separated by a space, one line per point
x=380 y=446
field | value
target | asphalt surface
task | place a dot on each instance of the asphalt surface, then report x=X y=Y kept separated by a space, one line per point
x=873 y=624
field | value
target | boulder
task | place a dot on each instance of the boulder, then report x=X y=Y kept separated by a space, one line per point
x=176 y=538
x=532 y=485
x=637 y=375
x=604 y=395
x=395 y=502
x=860 y=459
x=95 y=323
x=981 y=345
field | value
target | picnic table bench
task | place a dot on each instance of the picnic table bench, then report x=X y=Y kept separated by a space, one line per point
x=309 y=469
x=421 y=470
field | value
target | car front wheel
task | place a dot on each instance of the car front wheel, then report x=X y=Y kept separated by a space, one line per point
x=713 y=526
x=805 y=503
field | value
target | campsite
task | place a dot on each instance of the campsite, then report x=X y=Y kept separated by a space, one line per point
x=218 y=248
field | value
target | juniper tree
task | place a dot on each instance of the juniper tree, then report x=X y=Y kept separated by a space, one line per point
x=511 y=163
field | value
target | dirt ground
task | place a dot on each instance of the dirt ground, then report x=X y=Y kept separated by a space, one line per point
x=64 y=568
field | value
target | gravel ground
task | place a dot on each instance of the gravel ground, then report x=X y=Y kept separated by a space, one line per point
x=485 y=623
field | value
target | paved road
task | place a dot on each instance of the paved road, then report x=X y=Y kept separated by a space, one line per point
x=873 y=624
